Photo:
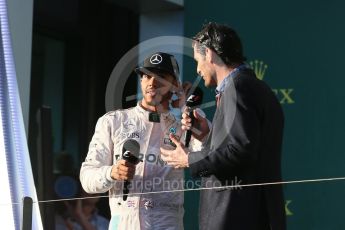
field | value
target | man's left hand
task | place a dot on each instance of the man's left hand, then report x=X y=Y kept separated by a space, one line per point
x=178 y=158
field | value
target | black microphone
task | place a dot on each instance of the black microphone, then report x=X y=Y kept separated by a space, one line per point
x=192 y=102
x=130 y=153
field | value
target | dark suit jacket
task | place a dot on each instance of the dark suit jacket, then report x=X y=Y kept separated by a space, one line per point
x=244 y=147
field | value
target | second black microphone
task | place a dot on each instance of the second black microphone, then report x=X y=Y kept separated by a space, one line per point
x=130 y=153
x=193 y=101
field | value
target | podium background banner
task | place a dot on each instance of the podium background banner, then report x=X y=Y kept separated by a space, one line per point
x=298 y=49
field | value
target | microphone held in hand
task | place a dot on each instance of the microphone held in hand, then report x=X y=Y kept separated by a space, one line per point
x=130 y=153
x=193 y=101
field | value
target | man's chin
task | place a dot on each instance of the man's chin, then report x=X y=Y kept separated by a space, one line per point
x=157 y=99
x=207 y=84
x=210 y=84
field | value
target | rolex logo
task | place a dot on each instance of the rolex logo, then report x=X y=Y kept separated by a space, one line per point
x=284 y=95
x=288 y=211
x=259 y=68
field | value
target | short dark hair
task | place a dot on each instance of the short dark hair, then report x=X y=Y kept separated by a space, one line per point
x=223 y=40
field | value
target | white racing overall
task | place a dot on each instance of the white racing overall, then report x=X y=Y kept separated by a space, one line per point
x=148 y=211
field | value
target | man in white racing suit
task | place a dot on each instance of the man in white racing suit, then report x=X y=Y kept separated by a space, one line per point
x=149 y=123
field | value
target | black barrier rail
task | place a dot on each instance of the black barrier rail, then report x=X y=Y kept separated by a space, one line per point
x=27 y=213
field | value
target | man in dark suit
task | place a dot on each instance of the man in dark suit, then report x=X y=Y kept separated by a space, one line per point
x=243 y=145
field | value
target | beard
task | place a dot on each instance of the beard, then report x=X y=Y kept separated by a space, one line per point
x=158 y=99
x=155 y=101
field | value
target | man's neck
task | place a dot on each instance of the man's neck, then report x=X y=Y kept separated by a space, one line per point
x=224 y=71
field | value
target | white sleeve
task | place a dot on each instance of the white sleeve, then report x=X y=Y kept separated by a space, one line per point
x=95 y=170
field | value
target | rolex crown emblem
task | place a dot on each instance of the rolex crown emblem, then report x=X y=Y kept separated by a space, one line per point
x=259 y=68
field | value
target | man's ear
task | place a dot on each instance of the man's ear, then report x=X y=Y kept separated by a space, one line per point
x=209 y=55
